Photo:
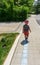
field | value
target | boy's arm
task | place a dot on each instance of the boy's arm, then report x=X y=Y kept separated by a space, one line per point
x=22 y=30
x=29 y=29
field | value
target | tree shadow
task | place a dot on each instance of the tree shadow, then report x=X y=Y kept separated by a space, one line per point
x=24 y=42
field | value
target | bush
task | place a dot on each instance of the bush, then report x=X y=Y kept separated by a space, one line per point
x=2 y=15
x=6 y=11
x=19 y=13
x=3 y=40
x=13 y=13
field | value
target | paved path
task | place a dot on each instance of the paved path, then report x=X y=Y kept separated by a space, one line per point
x=20 y=55
x=37 y=17
x=10 y=27
x=34 y=43
x=28 y=53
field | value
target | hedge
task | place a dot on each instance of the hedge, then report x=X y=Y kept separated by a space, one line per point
x=13 y=14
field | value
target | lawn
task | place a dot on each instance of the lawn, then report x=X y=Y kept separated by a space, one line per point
x=6 y=42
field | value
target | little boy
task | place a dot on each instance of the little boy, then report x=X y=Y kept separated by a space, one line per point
x=26 y=29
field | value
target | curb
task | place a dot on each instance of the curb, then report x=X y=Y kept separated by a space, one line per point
x=10 y=55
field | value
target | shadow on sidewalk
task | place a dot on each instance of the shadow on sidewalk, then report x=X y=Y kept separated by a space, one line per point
x=24 y=42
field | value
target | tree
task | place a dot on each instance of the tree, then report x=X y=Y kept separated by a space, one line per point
x=37 y=6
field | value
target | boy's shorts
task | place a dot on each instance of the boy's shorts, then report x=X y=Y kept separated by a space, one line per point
x=26 y=33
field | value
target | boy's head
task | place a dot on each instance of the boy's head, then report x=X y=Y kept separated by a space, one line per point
x=26 y=21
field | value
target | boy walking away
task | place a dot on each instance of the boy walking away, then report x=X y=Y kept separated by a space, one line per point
x=26 y=29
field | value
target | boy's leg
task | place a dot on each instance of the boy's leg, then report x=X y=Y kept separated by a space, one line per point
x=26 y=36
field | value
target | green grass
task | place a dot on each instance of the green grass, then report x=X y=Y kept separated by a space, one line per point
x=6 y=43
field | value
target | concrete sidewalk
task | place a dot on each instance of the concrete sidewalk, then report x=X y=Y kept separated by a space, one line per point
x=34 y=43
x=10 y=27
x=28 y=53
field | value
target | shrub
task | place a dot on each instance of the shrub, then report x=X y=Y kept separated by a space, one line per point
x=13 y=13
x=3 y=40
x=19 y=13
x=6 y=11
